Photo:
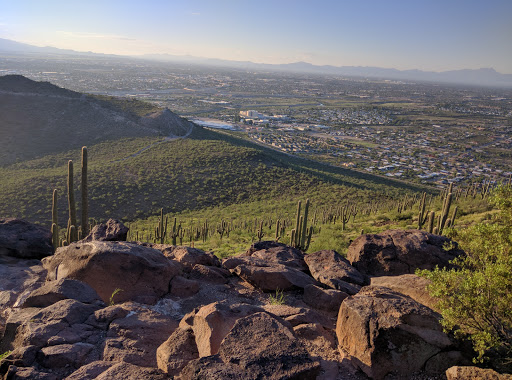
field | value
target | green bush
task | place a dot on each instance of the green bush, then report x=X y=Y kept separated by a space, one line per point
x=475 y=300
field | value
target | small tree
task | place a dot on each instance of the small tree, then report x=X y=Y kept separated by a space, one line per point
x=476 y=299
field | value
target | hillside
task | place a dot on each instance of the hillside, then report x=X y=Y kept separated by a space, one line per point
x=39 y=118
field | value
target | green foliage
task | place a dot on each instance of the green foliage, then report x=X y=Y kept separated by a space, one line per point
x=5 y=354
x=475 y=300
x=111 y=301
x=277 y=299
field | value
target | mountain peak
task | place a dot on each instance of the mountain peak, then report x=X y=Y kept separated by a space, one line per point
x=21 y=84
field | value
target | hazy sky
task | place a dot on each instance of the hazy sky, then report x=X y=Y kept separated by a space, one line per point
x=410 y=34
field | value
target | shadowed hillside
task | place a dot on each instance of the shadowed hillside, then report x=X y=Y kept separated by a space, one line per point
x=38 y=118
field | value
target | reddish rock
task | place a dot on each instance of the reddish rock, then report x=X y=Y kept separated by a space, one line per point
x=41 y=327
x=143 y=274
x=266 y=276
x=397 y=252
x=90 y=371
x=212 y=322
x=55 y=291
x=24 y=240
x=298 y=315
x=177 y=351
x=128 y=371
x=67 y=355
x=278 y=253
x=262 y=346
x=113 y=230
x=189 y=257
x=470 y=372
x=182 y=287
x=135 y=338
x=28 y=373
x=408 y=284
x=332 y=269
x=389 y=333
x=209 y=274
x=323 y=299
x=213 y=368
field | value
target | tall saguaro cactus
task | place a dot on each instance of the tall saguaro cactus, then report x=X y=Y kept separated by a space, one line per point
x=85 y=200
x=71 y=200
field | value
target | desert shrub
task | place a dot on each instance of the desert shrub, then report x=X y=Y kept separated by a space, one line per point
x=475 y=299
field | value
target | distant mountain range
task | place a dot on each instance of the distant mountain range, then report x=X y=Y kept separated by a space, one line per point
x=480 y=77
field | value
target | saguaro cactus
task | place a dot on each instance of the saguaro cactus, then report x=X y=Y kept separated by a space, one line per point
x=85 y=201
x=71 y=203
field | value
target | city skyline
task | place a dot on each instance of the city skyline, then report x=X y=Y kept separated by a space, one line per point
x=424 y=35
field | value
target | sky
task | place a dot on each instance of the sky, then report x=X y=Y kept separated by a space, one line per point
x=430 y=35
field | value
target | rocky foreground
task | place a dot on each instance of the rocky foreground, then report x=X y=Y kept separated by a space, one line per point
x=104 y=308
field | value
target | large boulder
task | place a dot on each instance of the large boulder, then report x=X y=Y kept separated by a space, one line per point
x=410 y=285
x=24 y=240
x=177 y=351
x=333 y=270
x=60 y=323
x=278 y=253
x=265 y=348
x=397 y=252
x=143 y=274
x=267 y=276
x=212 y=322
x=389 y=333
x=323 y=299
x=136 y=337
x=55 y=291
x=112 y=230
x=189 y=257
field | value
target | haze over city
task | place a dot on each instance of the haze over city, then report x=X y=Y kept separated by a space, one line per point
x=425 y=35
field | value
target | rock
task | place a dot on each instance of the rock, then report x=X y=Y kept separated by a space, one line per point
x=113 y=230
x=128 y=371
x=397 y=252
x=177 y=351
x=316 y=334
x=278 y=253
x=323 y=299
x=189 y=257
x=408 y=284
x=212 y=322
x=332 y=269
x=143 y=274
x=67 y=355
x=463 y=373
x=28 y=373
x=20 y=357
x=135 y=338
x=266 y=276
x=209 y=274
x=15 y=320
x=42 y=327
x=55 y=291
x=24 y=240
x=182 y=287
x=90 y=371
x=265 y=348
x=298 y=315
x=389 y=333
x=212 y=368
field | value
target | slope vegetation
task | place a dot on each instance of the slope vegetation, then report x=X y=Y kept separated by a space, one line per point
x=38 y=118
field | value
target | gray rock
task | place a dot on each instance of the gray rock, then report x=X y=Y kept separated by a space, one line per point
x=113 y=230
x=24 y=240
x=397 y=252
x=55 y=291
x=143 y=274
